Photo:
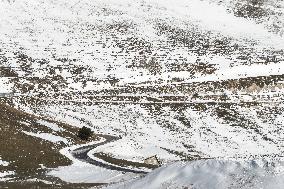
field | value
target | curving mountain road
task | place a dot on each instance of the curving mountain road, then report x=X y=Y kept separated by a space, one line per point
x=81 y=154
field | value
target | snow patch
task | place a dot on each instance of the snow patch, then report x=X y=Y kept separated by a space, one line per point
x=52 y=126
x=3 y=163
x=47 y=136
x=4 y=176
x=211 y=174
x=6 y=86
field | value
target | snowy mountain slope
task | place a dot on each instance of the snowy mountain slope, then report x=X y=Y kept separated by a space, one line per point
x=214 y=174
x=206 y=130
x=182 y=80
x=105 y=40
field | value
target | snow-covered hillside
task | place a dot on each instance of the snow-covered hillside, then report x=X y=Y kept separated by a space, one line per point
x=86 y=45
x=183 y=79
x=213 y=174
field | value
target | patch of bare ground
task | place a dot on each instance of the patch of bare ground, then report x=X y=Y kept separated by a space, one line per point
x=124 y=163
x=28 y=156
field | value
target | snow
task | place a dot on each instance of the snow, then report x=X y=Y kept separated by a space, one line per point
x=145 y=134
x=213 y=174
x=90 y=174
x=3 y=163
x=81 y=172
x=243 y=71
x=64 y=31
x=127 y=150
x=140 y=139
x=226 y=141
x=24 y=123
x=47 y=136
x=4 y=176
x=6 y=87
x=40 y=180
x=66 y=151
x=80 y=30
x=52 y=126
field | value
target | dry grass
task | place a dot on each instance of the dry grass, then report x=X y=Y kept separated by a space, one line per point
x=122 y=162
x=27 y=154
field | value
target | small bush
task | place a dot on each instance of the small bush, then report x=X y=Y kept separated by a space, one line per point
x=85 y=133
x=195 y=95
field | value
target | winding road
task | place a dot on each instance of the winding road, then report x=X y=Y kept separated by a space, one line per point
x=81 y=154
